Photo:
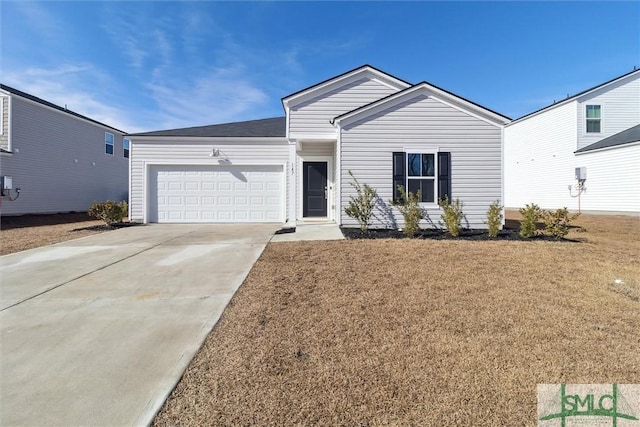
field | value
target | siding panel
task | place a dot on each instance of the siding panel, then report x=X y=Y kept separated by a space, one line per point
x=620 y=110
x=312 y=117
x=539 y=159
x=475 y=148
x=59 y=162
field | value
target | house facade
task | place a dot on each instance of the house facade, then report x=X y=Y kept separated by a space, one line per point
x=594 y=131
x=384 y=130
x=59 y=160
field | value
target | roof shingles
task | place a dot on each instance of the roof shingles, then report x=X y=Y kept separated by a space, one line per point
x=627 y=136
x=264 y=128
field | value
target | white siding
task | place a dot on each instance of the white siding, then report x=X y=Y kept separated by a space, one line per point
x=59 y=161
x=539 y=159
x=312 y=117
x=620 y=109
x=474 y=144
x=613 y=179
x=4 y=122
x=190 y=152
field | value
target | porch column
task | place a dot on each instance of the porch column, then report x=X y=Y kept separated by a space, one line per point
x=292 y=180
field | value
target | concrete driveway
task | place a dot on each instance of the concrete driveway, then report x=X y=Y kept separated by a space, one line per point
x=97 y=331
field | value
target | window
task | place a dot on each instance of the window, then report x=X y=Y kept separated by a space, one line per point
x=108 y=143
x=421 y=175
x=594 y=119
x=2 y=116
x=428 y=172
x=125 y=146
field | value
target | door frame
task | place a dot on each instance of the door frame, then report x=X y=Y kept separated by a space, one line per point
x=300 y=184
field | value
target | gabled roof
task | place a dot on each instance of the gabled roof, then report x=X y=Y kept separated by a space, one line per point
x=25 y=95
x=471 y=106
x=362 y=70
x=269 y=128
x=577 y=95
x=625 y=137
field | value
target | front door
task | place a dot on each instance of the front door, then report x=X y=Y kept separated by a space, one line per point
x=314 y=184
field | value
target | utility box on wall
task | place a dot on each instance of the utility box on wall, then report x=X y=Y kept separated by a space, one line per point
x=7 y=183
x=581 y=174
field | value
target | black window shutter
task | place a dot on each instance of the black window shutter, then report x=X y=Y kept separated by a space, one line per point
x=399 y=163
x=444 y=175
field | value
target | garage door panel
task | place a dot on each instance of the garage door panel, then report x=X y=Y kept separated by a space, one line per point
x=181 y=193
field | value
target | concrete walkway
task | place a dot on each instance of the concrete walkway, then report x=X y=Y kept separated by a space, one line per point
x=97 y=331
x=311 y=231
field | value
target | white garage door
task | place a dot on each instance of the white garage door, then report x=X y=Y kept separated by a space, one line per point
x=182 y=193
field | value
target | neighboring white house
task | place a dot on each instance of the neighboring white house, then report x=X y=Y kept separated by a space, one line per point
x=59 y=160
x=383 y=129
x=596 y=130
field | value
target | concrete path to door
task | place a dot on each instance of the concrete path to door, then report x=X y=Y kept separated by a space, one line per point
x=97 y=331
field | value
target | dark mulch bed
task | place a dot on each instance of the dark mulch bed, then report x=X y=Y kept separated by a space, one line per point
x=37 y=220
x=434 y=234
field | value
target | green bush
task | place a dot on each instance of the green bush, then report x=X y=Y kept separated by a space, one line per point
x=494 y=218
x=409 y=207
x=361 y=206
x=557 y=223
x=531 y=214
x=110 y=212
x=452 y=216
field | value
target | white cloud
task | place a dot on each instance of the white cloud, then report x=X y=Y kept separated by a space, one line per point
x=66 y=85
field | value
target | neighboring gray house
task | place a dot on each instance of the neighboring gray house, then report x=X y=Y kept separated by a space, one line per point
x=59 y=160
x=296 y=168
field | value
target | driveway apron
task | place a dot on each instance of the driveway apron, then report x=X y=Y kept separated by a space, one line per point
x=97 y=331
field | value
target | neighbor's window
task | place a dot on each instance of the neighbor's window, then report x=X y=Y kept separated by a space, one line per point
x=125 y=145
x=421 y=175
x=108 y=143
x=594 y=118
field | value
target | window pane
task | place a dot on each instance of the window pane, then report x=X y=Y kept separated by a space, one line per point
x=108 y=138
x=414 y=164
x=413 y=185
x=109 y=149
x=593 y=125
x=593 y=111
x=428 y=187
x=126 y=153
x=125 y=144
x=428 y=165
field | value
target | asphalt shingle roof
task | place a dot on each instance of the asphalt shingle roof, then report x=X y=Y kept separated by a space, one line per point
x=273 y=127
x=625 y=137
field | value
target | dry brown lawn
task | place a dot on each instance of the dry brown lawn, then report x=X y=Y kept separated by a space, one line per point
x=23 y=232
x=408 y=332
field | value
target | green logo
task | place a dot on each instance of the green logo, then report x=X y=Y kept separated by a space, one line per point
x=586 y=402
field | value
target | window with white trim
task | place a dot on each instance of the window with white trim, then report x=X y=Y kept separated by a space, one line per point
x=421 y=175
x=108 y=143
x=427 y=171
x=593 y=119
x=125 y=147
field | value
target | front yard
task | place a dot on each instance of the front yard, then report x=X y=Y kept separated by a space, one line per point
x=418 y=332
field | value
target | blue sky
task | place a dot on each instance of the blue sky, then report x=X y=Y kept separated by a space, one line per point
x=156 y=65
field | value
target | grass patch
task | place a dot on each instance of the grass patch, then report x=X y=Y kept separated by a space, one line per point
x=417 y=332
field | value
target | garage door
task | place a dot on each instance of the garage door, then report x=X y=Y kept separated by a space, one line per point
x=182 y=193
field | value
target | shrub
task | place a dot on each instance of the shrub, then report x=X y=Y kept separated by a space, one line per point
x=110 y=212
x=531 y=214
x=557 y=223
x=409 y=207
x=361 y=206
x=452 y=216
x=494 y=218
